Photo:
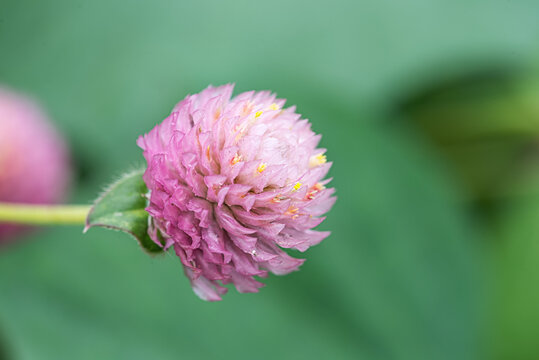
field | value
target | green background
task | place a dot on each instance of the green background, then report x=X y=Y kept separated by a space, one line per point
x=408 y=272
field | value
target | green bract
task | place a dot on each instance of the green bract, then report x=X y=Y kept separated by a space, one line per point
x=122 y=207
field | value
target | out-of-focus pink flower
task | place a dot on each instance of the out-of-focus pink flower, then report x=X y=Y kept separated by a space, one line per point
x=34 y=166
x=232 y=181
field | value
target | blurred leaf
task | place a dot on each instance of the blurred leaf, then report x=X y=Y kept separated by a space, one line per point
x=403 y=252
x=5 y=354
x=485 y=121
x=514 y=315
x=122 y=207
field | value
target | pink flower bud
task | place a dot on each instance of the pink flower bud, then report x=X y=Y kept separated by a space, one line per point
x=232 y=181
x=33 y=157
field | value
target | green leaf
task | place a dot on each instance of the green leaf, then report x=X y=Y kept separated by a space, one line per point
x=122 y=207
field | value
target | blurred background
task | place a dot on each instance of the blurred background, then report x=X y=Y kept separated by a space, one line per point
x=429 y=110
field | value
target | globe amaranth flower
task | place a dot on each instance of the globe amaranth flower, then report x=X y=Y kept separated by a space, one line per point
x=232 y=181
x=34 y=163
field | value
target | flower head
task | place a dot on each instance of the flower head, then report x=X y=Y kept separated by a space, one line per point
x=232 y=181
x=34 y=165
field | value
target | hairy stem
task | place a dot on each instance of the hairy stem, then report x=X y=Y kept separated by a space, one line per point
x=30 y=214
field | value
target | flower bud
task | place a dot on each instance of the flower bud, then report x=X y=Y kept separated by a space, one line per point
x=34 y=166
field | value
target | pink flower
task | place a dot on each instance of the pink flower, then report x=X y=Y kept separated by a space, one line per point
x=33 y=157
x=232 y=181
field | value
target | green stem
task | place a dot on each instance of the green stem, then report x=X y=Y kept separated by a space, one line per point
x=30 y=214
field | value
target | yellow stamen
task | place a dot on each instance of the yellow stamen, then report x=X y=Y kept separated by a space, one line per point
x=261 y=167
x=317 y=160
x=291 y=210
x=277 y=199
x=236 y=159
x=258 y=113
x=247 y=108
x=274 y=106
x=315 y=189
x=208 y=152
x=297 y=186
x=240 y=130
x=241 y=127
